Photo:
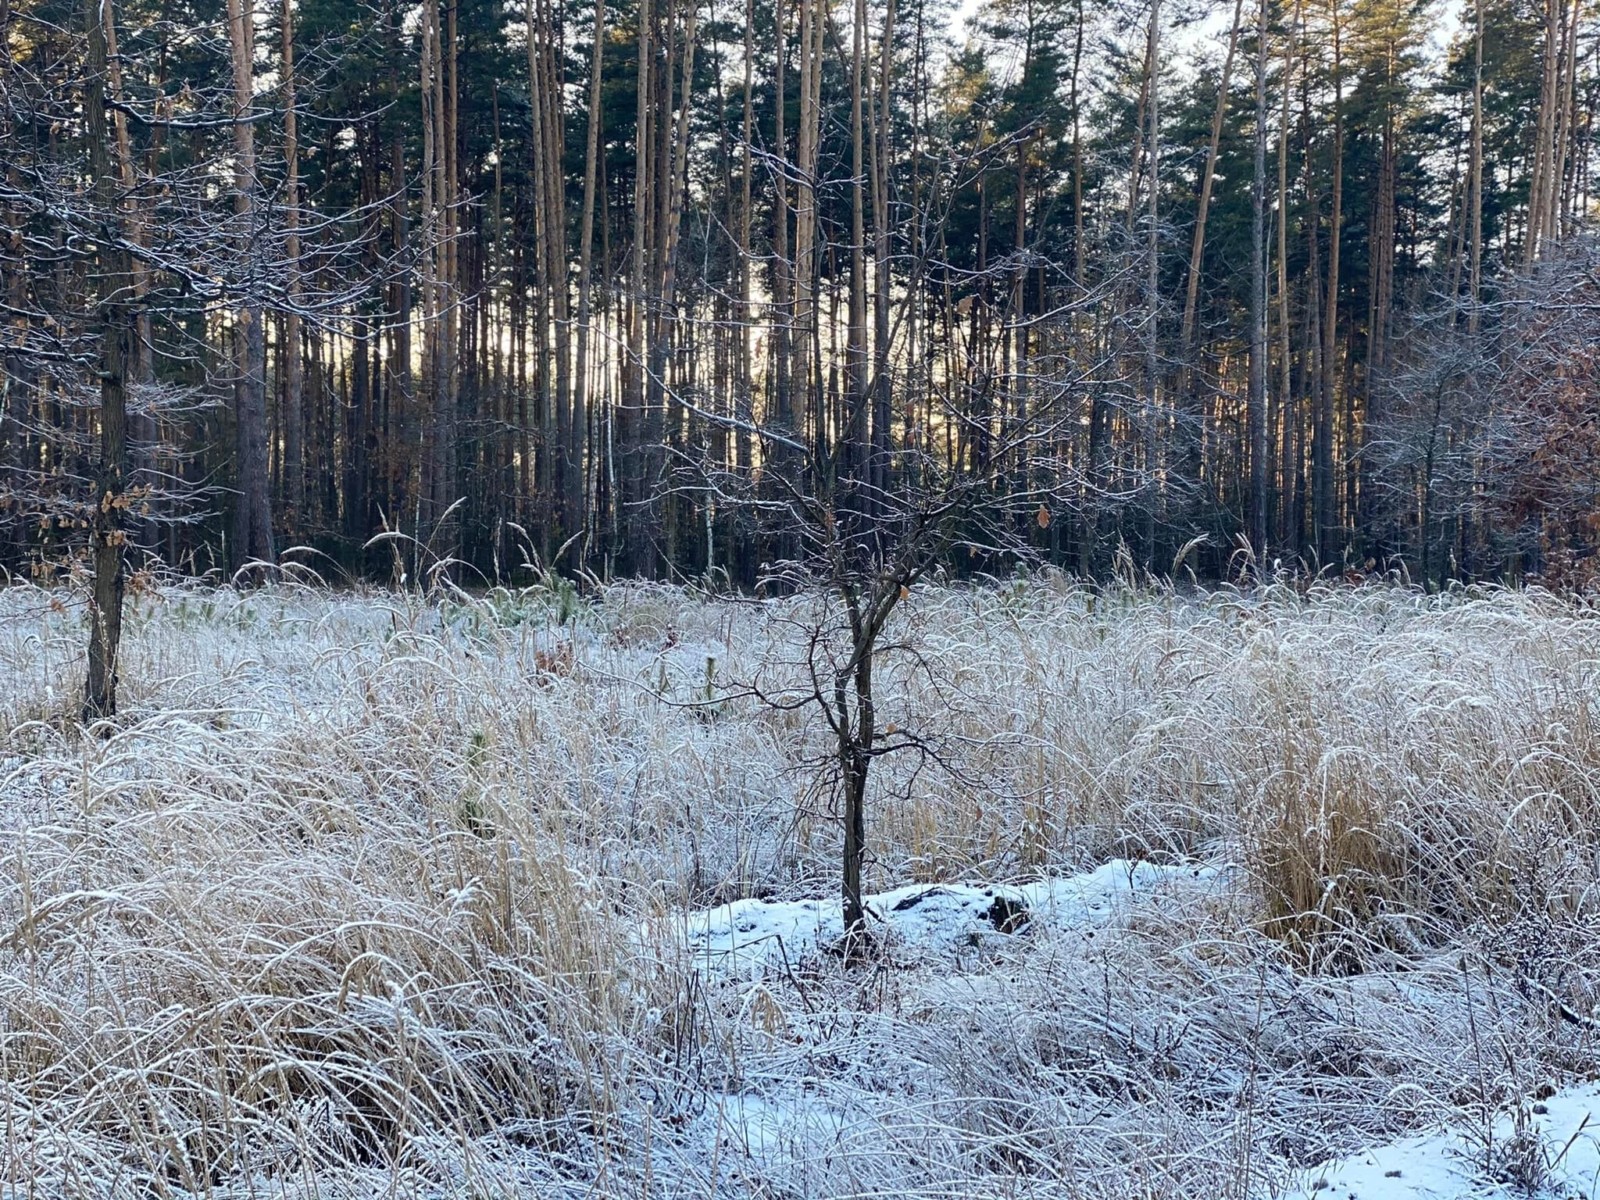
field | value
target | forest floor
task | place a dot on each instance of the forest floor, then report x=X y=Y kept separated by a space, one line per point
x=1228 y=894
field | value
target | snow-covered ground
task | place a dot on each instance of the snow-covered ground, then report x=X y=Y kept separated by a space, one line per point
x=1545 y=1143
x=1249 y=895
x=933 y=922
x=1546 y=1147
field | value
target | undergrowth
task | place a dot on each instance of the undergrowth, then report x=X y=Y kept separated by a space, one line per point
x=354 y=890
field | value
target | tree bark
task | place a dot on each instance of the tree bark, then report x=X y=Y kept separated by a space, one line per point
x=1152 y=316
x=293 y=368
x=253 y=514
x=591 y=163
x=114 y=324
x=1324 y=502
x=1203 y=209
x=1288 y=414
x=1475 y=170
x=882 y=414
x=1257 y=416
x=854 y=434
x=640 y=308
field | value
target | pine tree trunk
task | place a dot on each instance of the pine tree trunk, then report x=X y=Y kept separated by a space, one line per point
x=1324 y=500
x=1207 y=179
x=882 y=401
x=854 y=435
x=1152 y=315
x=591 y=164
x=253 y=514
x=293 y=378
x=1288 y=410
x=1257 y=415
x=744 y=408
x=1475 y=169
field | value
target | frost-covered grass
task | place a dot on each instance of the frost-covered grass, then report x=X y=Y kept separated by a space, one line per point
x=372 y=894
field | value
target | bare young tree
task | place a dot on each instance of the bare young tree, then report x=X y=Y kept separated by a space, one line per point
x=866 y=531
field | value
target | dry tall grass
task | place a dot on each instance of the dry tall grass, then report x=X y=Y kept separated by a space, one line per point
x=350 y=901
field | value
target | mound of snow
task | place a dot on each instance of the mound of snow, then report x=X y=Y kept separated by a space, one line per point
x=748 y=936
x=1556 y=1155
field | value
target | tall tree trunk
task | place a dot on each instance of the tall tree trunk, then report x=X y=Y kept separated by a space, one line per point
x=1095 y=475
x=548 y=462
x=1542 y=181
x=1014 y=340
x=882 y=435
x=668 y=416
x=744 y=408
x=785 y=266
x=853 y=436
x=293 y=378
x=640 y=308
x=1565 y=115
x=1288 y=410
x=253 y=515
x=447 y=91
x=114 y=323
x=1152 y=316
x=411 y=427
x=1207 y=179
x=1381 y=258
x=562 y=448
x=1475 y=175
x=1257 y=415
x=1193 y=410
x=782 y=264
x=430 y=426
x=591 y=164
x=441 y=321
x=808 y=367
x=1324 y=502
x=143 y=433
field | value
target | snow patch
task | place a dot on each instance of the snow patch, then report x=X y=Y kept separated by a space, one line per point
x=749 y=937
x=770 y=1129
x=1556 y=1155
